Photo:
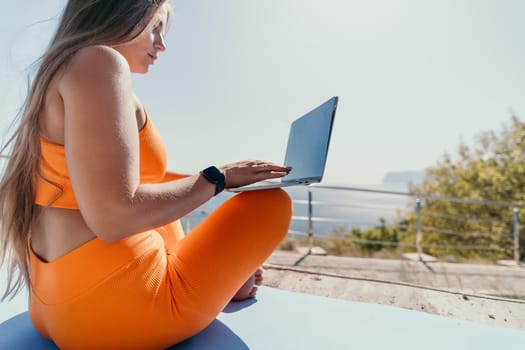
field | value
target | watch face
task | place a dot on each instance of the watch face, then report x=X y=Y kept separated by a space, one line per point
x=213 y=174
x=216 y=177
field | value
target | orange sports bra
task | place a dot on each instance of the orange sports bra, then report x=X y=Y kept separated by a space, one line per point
x=53 y=169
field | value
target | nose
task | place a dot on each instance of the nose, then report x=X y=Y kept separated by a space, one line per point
x=160 y=44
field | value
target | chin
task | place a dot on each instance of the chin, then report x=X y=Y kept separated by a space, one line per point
x=140 y=70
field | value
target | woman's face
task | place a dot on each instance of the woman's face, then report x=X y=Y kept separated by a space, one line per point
x=143 y=51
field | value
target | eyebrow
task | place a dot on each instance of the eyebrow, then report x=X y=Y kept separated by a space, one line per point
x=161 y=22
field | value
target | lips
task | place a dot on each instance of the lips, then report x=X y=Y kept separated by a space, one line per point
x=152 y=56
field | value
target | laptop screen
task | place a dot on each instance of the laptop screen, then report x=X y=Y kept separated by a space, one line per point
x=308 y=143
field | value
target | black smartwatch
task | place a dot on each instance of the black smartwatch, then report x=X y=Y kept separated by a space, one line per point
x=216 y=177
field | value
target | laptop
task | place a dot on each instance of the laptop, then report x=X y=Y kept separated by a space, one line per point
x=306 y=151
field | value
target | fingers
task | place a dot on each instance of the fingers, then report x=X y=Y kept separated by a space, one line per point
x=270 y=172
x=272 y=168
x=269 y=175
x=258 y=165
x=246 y=172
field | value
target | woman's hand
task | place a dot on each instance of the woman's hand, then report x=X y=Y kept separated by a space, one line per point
x=250 y=171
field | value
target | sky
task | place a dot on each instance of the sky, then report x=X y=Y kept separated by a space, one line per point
x=414 y=77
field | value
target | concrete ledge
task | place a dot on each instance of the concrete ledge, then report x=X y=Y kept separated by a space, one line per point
x=509 y=263
x=312 y=251
x=416 y=257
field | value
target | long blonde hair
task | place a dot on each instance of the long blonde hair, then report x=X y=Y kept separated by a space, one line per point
x=83 y=23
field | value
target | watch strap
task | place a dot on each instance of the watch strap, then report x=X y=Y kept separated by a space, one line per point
x=216 y=177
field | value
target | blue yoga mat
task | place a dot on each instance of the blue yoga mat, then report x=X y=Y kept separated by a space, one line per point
x=279 y=319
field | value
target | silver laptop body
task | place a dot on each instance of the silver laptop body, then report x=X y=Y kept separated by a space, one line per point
x=307 y=149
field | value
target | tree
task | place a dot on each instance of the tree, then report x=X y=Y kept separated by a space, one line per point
x=493 y=170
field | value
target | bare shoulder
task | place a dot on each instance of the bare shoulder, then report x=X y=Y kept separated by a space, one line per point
x=96 y=63
x=99 y=56
x=95 y=85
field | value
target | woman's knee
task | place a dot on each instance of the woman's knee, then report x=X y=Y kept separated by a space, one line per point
x=273 y=201
x=273 y=208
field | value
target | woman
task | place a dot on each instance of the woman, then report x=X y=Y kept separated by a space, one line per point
x=90 y=214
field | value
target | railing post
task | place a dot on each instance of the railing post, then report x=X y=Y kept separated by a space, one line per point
x=516 y=227
x=310 y=221
x=419 y=236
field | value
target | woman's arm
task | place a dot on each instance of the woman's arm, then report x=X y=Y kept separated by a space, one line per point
x=170 y=176
x=102 y=151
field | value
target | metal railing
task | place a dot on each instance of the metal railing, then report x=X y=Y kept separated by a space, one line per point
x=420 y=229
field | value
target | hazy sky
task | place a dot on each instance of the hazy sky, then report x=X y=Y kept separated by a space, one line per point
x=414 y=77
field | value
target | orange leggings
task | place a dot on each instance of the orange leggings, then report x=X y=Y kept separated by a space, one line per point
x=156 y=288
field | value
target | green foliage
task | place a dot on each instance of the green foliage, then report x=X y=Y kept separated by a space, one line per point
x=494 y=169
x=491 y=174
x=377 y=238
